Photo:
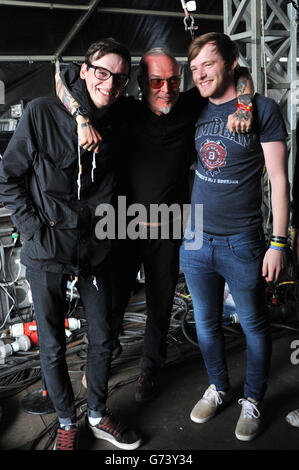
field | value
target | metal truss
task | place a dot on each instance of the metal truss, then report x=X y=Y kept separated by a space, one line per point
x=266 y=31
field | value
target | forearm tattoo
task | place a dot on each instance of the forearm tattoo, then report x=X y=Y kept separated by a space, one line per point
x=241 y=86
x=244 y=99
x=65 y=96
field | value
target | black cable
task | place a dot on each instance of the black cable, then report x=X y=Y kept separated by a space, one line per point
x=183 y=324
x=282 y=325
x=15 y=372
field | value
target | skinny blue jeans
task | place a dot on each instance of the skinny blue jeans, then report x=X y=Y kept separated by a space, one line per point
x=236 y=259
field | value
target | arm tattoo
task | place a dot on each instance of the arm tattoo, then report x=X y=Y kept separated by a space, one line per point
x=64 y=95
x=60 y=90
x=244 y=99
x=66 y=101
x=242 y=115
x=241 y=86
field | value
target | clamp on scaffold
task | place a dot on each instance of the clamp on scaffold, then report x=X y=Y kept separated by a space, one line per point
x=296 y=6
x=189 y=20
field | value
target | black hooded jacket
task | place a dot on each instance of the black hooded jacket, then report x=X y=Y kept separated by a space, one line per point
x=39 y=183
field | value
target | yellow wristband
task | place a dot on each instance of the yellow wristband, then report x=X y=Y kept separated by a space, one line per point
x=282 y=245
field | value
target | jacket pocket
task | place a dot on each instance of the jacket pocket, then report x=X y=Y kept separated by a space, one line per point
x=52 y=187
x=56 y=177
x=54 y=244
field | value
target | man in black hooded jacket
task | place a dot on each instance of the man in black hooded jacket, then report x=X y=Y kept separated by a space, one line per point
x=53 y=188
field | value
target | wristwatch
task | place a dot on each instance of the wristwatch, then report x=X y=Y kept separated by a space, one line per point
x=79 y=111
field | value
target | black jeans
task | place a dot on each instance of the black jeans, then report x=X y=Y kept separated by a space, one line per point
x=160 y=259
x=50 y=305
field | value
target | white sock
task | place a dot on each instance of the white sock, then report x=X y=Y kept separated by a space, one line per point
x=63 y=425
x=67 y=421
x=94 y=421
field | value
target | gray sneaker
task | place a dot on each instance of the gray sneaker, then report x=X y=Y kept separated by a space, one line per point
x=207 y=406
x=293 y=418
x=249 y=424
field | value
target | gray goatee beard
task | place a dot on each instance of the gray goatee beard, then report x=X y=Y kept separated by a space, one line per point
x=165 y=110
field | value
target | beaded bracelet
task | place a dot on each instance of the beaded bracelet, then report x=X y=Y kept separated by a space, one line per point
x=247 y=107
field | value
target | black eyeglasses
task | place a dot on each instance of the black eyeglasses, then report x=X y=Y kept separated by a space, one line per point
x=173 y=82
x=120 y=79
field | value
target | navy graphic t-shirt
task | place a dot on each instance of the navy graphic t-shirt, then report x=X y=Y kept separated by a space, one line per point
x=230 y=165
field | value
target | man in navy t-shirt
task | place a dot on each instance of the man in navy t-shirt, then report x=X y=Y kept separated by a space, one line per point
x=228 y=185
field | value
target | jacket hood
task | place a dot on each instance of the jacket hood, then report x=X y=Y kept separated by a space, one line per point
x=70 y=77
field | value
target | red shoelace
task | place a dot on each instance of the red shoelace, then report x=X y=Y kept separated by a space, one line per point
x=112 y=426
x=66 y=439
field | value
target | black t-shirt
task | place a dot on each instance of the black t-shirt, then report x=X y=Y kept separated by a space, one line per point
x=154 y=153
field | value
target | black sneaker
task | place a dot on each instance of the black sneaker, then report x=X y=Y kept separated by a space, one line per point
x=67 y=438
x=146 y=388
x=115 y=432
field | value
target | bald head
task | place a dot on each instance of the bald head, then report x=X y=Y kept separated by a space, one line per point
x=159 y=80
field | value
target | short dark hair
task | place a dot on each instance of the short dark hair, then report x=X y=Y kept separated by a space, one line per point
x=227 y=48
x=106 y=46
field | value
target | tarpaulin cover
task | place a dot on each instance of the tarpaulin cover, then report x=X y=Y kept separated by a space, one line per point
x=31 y=31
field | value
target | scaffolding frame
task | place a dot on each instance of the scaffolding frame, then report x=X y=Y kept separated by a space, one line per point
x=266 y=31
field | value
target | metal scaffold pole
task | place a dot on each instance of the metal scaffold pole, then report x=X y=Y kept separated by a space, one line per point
x=266 y=31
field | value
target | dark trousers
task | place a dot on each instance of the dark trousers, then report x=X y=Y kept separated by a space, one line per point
x=160 y=259
x=50 y=305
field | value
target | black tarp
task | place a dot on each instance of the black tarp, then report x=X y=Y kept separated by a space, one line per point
x=35 y=31
x=40 y=31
